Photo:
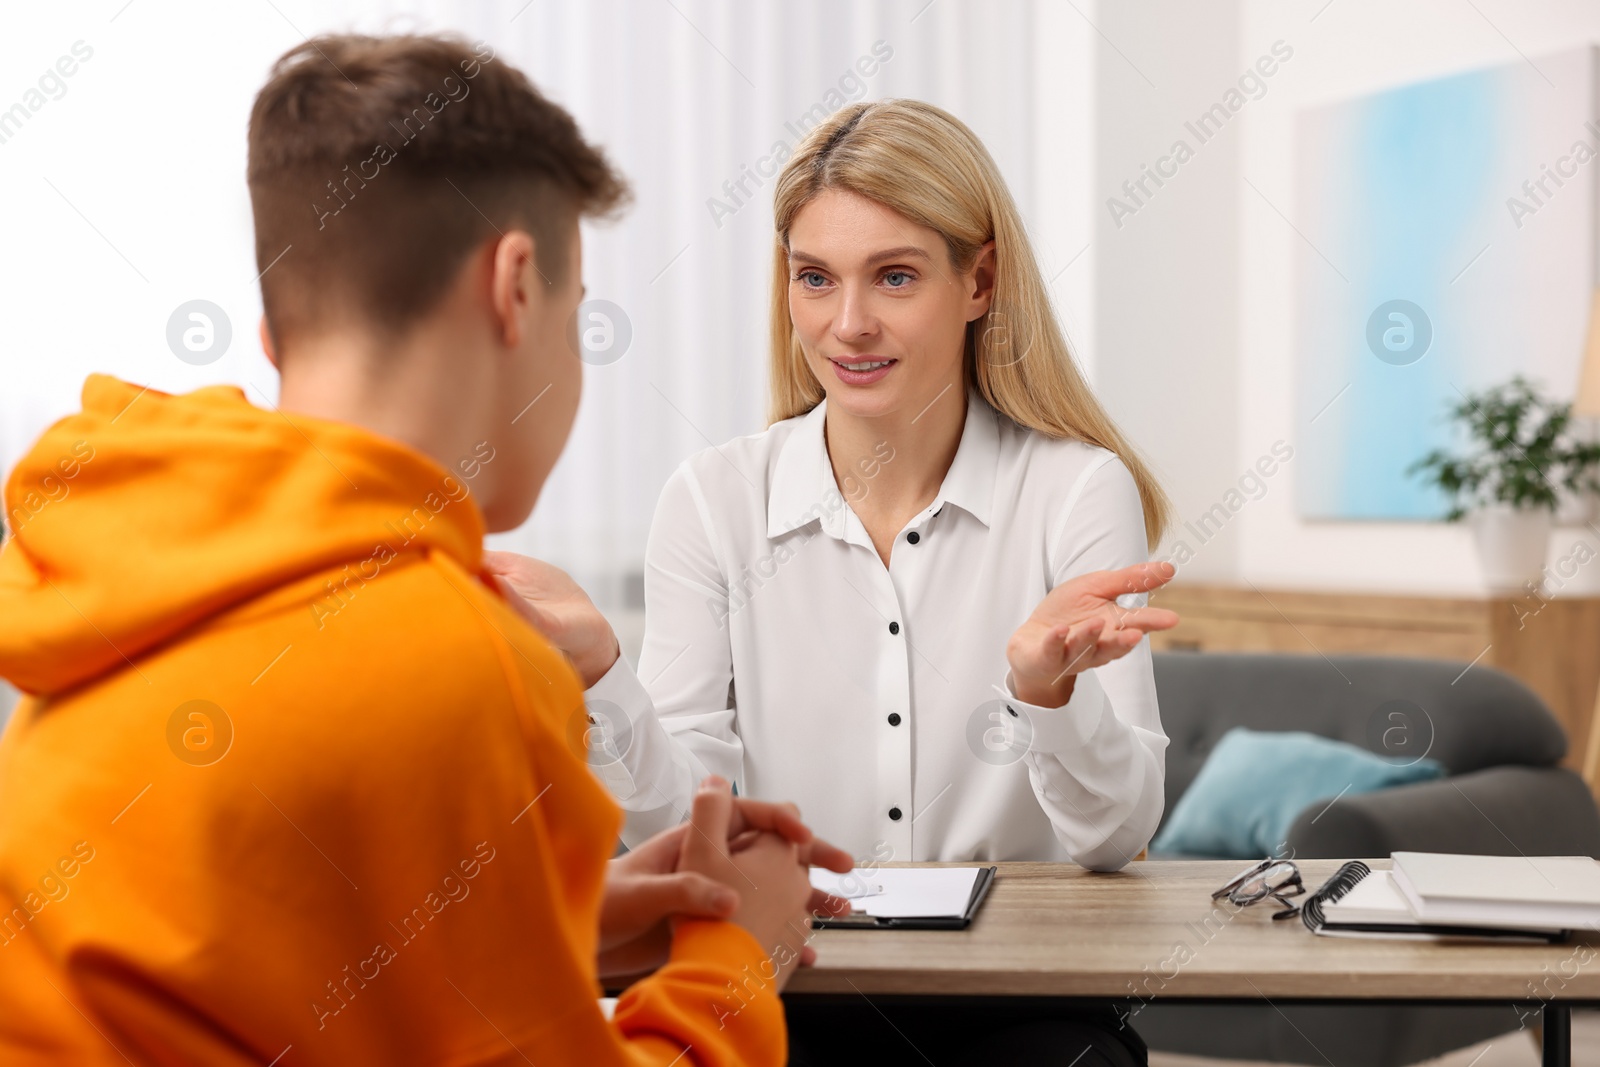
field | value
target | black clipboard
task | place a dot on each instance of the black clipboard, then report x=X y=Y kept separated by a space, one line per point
x=980 y=890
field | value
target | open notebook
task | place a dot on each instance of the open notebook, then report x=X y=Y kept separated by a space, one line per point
x=1361 y=902
x=927 y=898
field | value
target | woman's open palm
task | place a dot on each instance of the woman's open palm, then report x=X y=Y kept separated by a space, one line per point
x=1079 y=626
x=557 y=607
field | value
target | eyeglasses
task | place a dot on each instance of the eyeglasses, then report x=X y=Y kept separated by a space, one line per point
x=1278 y=879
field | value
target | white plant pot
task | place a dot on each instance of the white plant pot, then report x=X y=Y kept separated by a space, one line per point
x=1513 y=545
x=1577 y=509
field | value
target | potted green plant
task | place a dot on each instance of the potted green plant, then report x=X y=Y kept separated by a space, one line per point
x=1522 y=459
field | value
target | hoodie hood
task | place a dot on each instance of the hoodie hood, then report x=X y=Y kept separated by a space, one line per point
x=145 y=514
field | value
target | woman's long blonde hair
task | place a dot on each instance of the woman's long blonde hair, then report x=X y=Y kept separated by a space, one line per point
x=927 y=165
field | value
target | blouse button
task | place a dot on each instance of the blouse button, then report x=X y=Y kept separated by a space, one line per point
x=913 y=537
x=894 y=718
x=894 y=627
x=894 y=813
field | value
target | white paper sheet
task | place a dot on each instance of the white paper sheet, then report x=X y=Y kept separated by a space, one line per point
x=907 y=892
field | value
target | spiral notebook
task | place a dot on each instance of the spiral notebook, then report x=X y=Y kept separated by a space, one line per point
x=1360 y=902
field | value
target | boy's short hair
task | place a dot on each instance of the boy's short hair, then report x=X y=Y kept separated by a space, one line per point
x=377 y=164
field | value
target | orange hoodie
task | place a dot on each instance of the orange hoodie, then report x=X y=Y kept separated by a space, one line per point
x=294 y=785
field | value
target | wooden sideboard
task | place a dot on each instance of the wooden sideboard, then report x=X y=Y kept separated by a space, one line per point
x=1551 y=645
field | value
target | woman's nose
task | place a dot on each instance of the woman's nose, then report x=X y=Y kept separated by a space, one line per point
x=855 y=319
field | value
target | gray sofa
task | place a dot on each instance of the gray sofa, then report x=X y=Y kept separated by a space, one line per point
x=1504 y=796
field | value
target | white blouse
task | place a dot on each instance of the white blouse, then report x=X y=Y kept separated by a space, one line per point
x=781 y=653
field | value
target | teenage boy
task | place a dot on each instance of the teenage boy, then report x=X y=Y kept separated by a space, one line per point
x=294 y=784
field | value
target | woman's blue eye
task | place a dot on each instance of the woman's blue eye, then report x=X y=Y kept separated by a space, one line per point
x=806 y=278
x=903 y=275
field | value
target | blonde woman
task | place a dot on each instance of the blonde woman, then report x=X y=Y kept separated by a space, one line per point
x=914 y=604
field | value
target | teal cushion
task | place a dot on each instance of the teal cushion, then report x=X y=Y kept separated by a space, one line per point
x=1253 y=785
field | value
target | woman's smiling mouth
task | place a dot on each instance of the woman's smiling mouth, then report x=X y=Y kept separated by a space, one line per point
x=863 y=371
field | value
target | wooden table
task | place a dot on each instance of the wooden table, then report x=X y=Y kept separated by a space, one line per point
x=1152 y=932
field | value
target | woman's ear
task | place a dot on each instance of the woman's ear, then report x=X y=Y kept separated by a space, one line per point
x=981 y=279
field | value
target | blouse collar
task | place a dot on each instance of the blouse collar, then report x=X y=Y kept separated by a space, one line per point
x=804 y=489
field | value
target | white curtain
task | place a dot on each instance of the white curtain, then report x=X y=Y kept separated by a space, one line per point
x=684 y=94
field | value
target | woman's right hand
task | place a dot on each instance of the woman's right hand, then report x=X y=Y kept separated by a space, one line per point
x=557 y=607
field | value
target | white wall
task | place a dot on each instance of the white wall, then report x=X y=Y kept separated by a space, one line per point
x=1356 y=47
x=1195 y=299
x=148 y=144
x=1166 y=329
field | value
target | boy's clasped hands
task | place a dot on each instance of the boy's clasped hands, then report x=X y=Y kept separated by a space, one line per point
x=744 y=861
x=736 y=859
